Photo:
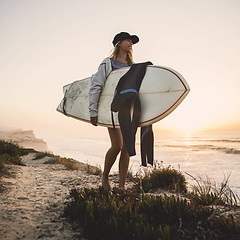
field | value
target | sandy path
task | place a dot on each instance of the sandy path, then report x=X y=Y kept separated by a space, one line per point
x=31 y=207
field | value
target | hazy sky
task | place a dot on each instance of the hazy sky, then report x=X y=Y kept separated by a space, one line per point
x=46 y=44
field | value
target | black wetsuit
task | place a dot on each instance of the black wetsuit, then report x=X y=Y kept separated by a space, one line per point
x=126 y=97
x=147 y=143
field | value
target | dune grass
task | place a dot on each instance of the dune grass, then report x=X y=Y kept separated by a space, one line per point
x=126 y=215
x=72 y=164
x=208 y=192
x=69 y=163
x=10 y=153
x=167 y=179
x=134 y=214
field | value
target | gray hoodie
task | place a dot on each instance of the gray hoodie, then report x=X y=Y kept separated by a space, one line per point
x=97 y=82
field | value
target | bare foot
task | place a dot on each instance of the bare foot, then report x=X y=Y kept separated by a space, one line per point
x=105 y=183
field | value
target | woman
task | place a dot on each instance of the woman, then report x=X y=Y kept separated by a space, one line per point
x=121 y=57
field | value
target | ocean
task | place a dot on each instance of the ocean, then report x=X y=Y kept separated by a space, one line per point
x=211 y=155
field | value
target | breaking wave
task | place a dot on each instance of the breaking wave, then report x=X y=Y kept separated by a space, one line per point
x=227 y=150
x=219 y=140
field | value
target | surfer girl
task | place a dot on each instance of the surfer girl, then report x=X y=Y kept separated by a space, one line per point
x=121 y=57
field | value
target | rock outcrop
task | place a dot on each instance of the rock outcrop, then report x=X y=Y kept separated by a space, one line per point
x=25 y=139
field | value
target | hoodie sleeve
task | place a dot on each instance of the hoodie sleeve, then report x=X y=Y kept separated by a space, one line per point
x=97 y=82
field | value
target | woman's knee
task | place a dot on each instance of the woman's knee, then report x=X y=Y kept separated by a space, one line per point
x=116 y=148
x=124 y=150
x=116 y=140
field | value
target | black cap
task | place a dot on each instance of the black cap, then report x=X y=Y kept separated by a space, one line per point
x=123 y=36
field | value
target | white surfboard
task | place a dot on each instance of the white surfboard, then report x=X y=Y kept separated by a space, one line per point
x=161 y=91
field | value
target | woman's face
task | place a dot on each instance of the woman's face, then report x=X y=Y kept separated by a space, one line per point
x=126 y=45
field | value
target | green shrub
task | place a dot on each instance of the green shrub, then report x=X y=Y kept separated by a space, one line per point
x=119 y=215
x=126 y=216
x=12 y=149
x=229 y=226
x=169 y=179
x=10 y=153
x=9 y=148
x=206 y=199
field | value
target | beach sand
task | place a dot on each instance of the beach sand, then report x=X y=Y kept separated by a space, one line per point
x=32 y=205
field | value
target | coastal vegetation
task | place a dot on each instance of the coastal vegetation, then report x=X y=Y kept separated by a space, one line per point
x=174 y=213
x=165 y=178
x=129 y=215
x=69 y=163
x=160 y=205
x=10 y=154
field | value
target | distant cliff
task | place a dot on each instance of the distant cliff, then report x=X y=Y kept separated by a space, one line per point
x=25 y=139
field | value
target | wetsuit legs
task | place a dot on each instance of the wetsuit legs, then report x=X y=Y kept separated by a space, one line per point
x=147 y=142
x=129 y=124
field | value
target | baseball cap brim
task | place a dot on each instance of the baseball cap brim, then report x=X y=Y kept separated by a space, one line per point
x=123 y=36
x=134 y=39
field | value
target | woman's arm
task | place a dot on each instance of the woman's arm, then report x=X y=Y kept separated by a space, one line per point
x=97 y=82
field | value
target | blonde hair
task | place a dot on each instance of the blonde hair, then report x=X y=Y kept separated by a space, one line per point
x=116 y=51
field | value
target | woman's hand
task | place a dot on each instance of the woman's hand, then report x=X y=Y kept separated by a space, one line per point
x=93 y=121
